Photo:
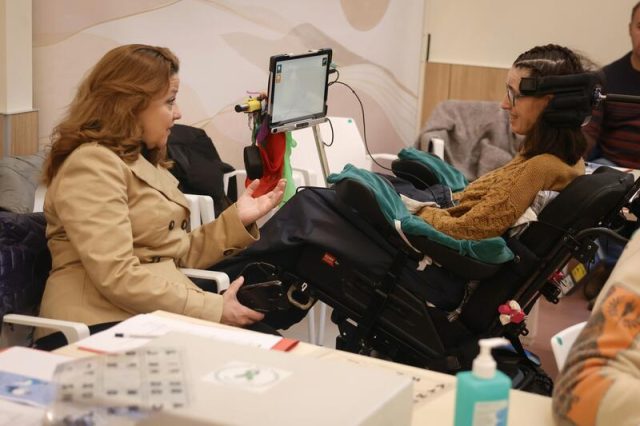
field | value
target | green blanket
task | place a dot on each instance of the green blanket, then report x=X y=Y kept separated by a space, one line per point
x=447 y=174
x=490 y=250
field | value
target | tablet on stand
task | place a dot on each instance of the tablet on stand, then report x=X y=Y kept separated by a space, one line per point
x=297 y=98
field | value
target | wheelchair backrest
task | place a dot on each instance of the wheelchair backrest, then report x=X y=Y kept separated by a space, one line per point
x=588 y=201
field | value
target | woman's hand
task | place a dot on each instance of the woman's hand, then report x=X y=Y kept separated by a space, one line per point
x=251 y=209
x=235 y=313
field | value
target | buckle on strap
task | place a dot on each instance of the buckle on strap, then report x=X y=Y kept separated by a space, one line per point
x=304 y=306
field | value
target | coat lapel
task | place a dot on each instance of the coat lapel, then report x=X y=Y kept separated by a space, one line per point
x=159 y=179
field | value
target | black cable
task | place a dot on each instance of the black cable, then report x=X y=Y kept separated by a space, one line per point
x=364 y=125
x=332 y=133
x=366 y=144
x=337 y=76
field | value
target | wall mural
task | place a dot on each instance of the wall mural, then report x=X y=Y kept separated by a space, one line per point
x=224 y=47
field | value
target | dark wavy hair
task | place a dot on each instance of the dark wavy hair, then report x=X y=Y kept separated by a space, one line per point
x=108 y=102
x=566 y=143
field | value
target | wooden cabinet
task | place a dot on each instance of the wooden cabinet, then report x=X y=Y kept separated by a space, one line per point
x=463 y=82
x=19 y=133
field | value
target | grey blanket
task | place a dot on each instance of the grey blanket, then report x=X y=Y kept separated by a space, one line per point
x=19 y=177
x=476 y=134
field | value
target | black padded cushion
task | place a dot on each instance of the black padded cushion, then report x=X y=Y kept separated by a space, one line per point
x=419 y=174
x=584 y=203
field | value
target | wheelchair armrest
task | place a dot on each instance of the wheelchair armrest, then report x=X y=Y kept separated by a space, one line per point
x=73 y=331
x=221 y=279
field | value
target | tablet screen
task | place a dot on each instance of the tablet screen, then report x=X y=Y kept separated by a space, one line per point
x=298 y=90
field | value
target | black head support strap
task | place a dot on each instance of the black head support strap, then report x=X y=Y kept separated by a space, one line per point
x=573 y=97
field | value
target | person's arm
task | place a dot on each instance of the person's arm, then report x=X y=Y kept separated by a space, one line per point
x=91 y=202
x=491 y=217
x=600 y=382
x=490 y=206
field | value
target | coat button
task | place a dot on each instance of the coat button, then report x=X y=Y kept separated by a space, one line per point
x=172 y=225
x=227 y=252
x=184 y=224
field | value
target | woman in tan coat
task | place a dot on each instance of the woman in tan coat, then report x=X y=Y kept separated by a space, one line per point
x=117 y=225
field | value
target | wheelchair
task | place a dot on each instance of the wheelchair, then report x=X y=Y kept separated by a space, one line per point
x=337 y=245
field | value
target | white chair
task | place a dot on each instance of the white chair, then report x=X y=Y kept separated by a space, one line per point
x=562 y=341
x=201 y=212
x=436 y=147
x=38 y=200
x=10 y=335
x=21 y=336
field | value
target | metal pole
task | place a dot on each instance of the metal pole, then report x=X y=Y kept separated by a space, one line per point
x=321 y=153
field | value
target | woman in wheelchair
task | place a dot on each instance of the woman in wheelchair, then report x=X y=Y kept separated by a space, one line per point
x=117 y=225
x=550 y=157
x=414 y=299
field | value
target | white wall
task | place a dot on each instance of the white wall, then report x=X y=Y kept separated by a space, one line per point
x=494 y=32
x=16 y=94
x=224 y=48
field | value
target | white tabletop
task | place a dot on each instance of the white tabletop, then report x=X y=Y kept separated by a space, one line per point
x=434 y=393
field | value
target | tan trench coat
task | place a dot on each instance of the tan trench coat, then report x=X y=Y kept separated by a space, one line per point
x=117 y=233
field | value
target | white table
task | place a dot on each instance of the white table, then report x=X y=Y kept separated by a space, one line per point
x=524 y=408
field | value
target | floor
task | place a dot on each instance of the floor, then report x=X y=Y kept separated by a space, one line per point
x=552 y=318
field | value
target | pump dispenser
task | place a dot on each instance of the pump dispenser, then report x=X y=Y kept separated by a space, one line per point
x=482 y=394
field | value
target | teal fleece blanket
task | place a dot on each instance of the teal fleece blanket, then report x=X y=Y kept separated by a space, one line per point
x=447 y=174
x=490 y=250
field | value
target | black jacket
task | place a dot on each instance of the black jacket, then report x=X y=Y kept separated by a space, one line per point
x=198 y=166
x=24 y=262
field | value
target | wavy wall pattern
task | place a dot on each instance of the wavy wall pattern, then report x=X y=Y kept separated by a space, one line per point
x=224 y=47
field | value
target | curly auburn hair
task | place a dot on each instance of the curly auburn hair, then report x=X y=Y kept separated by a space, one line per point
x=108 y=102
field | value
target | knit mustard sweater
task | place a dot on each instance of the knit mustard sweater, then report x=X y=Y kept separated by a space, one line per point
x=492 y=203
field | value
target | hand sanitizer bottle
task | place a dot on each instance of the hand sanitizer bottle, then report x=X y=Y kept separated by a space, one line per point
x=482 y=394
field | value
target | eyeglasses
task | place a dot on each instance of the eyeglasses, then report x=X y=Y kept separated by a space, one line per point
x=512 y=96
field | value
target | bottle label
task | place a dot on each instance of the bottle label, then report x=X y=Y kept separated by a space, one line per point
x=492 y=413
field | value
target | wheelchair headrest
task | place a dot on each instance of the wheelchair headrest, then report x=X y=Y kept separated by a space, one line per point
x=573 y=100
